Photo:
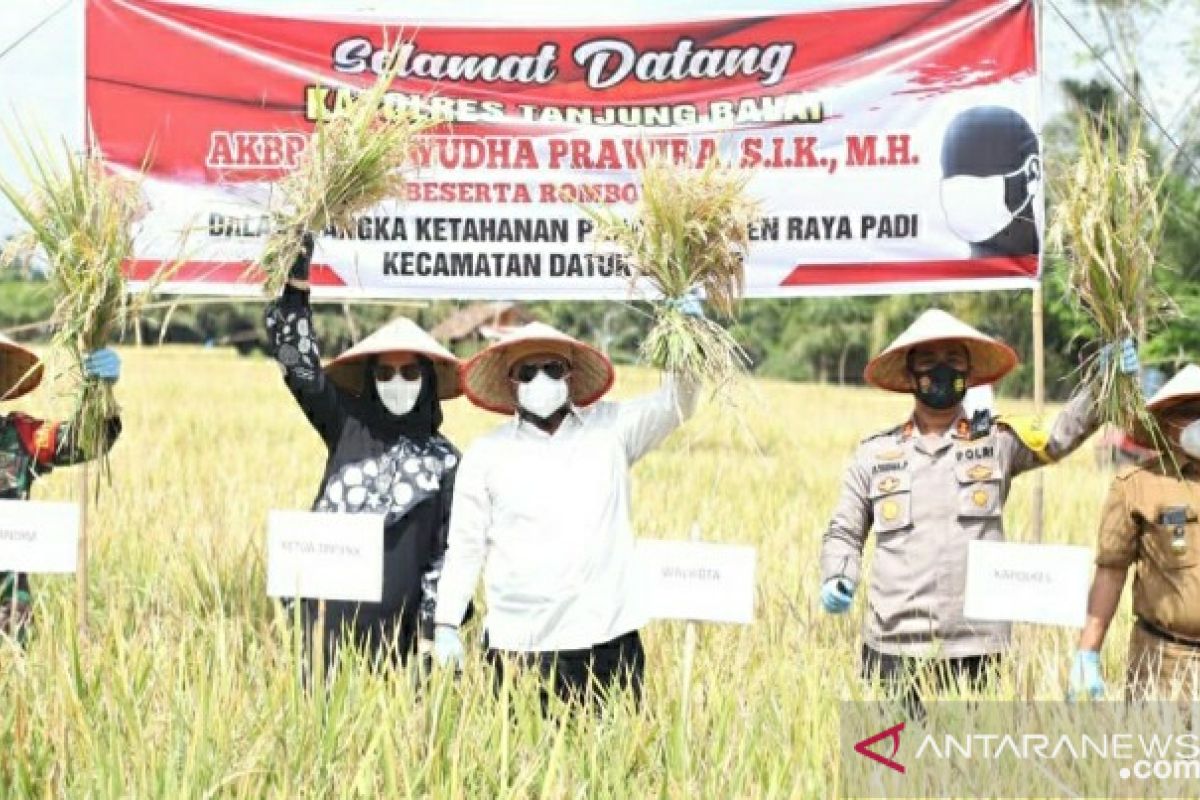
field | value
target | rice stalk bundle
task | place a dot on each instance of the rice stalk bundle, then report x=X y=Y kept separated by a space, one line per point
x=1109 y=223
x=355 y=159
x=690 y=232
x=81 y=215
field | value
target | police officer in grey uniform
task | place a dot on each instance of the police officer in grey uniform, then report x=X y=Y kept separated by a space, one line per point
x=928 y=487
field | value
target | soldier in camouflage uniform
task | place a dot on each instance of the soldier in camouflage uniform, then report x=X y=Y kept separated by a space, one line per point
x=928 y=487
x=31 y=448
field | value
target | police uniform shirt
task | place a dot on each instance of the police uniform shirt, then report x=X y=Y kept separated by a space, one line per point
x=1150 y=519
x=926 y=500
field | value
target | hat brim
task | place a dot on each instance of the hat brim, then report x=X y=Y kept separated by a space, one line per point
x=1141 y=435
x=485 y=378
x=990 y=361
x=21 y=371
x=349 y=372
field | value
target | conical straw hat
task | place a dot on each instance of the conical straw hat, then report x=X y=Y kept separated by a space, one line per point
x=398 y=336
x=990 y=360
x=20 y=369
x=1180 y=389
x=485 y=377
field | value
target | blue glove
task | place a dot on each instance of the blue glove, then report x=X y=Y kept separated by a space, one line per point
x=689 y=305
x=1085 y=676
x=1125 y=351
x=103 y=364
x=447 y=647
x=836 y=595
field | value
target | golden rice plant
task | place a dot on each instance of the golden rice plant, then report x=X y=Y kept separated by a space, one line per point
x=689 y=232
x=81 y=215
x=356 y=158
x=1109 y=222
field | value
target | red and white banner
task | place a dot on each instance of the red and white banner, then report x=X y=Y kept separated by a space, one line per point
x=894 y=146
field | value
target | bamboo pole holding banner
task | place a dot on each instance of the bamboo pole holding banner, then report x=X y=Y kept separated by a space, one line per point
x=1039 y=340
x=81 y=557
x=1039 y=399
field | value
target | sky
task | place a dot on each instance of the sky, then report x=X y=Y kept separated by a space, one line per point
x=41 y=73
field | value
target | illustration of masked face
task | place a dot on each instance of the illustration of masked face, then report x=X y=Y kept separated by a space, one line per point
x=991 y=182
x=976 y=207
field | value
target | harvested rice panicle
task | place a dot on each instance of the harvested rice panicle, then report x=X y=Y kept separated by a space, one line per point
x=1109 y=223
x=689 y=232
x=81 y=215
x=355 y=160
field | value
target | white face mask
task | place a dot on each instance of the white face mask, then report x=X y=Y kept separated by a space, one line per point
x=398 y=395
x=1189 y=440
x=975 y=207
x=543 y=395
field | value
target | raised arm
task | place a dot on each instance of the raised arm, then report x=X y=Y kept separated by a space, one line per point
x=644 y=422
x=54 y=444
x=292 y=341
x=1029 y=446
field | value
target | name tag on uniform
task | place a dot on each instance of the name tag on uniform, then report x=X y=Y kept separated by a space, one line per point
x=38 y=537
x=696 y=580
x=325 y=556
x=1041 y=583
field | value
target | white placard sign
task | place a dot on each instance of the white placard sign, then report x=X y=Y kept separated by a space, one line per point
x=1043 y=583
x=696 y=580
x=38 y=537
x=325 y=556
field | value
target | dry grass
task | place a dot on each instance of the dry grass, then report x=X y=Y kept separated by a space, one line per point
x=356 y=159
x=186 y=686
x=81 y=216
x=1109 y=218
x=689 y=232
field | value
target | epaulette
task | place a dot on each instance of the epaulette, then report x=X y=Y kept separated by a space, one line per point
x=1029 y=430
x=892 y=431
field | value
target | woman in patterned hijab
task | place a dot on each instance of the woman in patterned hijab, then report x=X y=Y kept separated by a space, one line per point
x=377 y=408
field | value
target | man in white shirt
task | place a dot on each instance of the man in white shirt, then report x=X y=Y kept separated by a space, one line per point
x=541 y=505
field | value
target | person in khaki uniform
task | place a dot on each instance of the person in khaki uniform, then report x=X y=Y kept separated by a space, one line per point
x=1150 y=522
x=928 y=487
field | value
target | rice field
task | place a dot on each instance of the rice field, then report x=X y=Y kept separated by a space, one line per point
x=187 y=683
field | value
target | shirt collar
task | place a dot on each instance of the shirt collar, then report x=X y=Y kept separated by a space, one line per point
x=573 y=417
x=960 y=428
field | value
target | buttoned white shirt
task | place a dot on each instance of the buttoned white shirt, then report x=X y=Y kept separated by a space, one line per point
x=546 y=517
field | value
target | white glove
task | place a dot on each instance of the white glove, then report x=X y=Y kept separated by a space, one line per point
x=447 y=647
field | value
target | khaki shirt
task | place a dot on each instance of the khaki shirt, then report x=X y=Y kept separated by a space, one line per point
x=926 y=501
x=1166 y=585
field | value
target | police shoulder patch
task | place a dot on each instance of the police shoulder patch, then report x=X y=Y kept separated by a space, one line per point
x=892 y=431
x=1029 y=430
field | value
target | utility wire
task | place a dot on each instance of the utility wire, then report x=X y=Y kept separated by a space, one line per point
x=1096 y=54
x=35 y=28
